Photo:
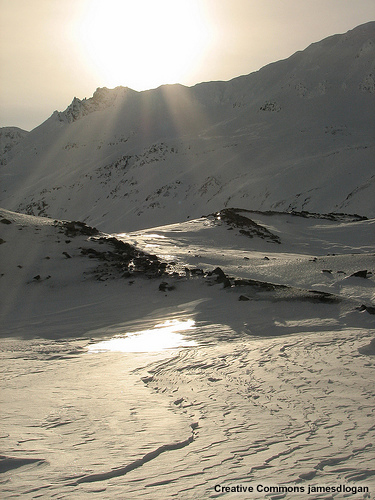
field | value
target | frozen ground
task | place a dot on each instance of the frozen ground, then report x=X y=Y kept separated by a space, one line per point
x=151 y=385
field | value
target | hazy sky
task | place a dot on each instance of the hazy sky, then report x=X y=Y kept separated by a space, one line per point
x=54 y=50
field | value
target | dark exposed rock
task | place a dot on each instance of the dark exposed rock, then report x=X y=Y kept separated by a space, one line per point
x=276 y=292
x=219 y=272
x=339 y=216
x=196 y=272
x=317 y=296
x=261 y=285
x=122 y=259
x=336 y=216
x=75 y=228
x=221 y=277
x=246 y=233
x=92 y=253
x=67 y=255
x=234 y=218
x=164 y=287
x=120 y=246
x=359 y=274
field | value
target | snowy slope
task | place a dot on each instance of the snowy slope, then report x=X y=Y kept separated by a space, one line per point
x=51 y=267
x=9 y=137
x=296 y=135
x=245 y=361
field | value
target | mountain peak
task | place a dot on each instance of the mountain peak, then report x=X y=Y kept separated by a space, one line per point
x=102 y=98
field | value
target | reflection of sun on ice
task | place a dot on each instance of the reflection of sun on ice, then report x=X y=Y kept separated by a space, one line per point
x=162 y=336
x=142 y=43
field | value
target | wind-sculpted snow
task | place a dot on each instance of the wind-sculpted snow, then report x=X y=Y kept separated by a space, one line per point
x=292 y=413
x=9 y=463
x=122 y=471
x=188 y=360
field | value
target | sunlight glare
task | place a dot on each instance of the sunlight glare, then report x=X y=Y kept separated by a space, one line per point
x=142 y=44
x=162 y=336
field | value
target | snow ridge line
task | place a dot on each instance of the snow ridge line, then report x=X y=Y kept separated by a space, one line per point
x=121 y=471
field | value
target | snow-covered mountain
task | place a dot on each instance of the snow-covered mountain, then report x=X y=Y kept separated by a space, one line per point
x=9 y=137
x=296 y=135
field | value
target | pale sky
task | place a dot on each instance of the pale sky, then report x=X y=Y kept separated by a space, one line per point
x=54 y=50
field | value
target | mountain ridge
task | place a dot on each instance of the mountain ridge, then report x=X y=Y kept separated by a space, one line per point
x=107 y=96
x=296 y=135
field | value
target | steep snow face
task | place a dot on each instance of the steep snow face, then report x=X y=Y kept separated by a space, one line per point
x=296 y=135
x=9 y=137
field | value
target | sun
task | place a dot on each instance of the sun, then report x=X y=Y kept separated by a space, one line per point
x=142 y=43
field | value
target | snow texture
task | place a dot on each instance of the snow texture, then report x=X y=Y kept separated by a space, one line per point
x=227 y=357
